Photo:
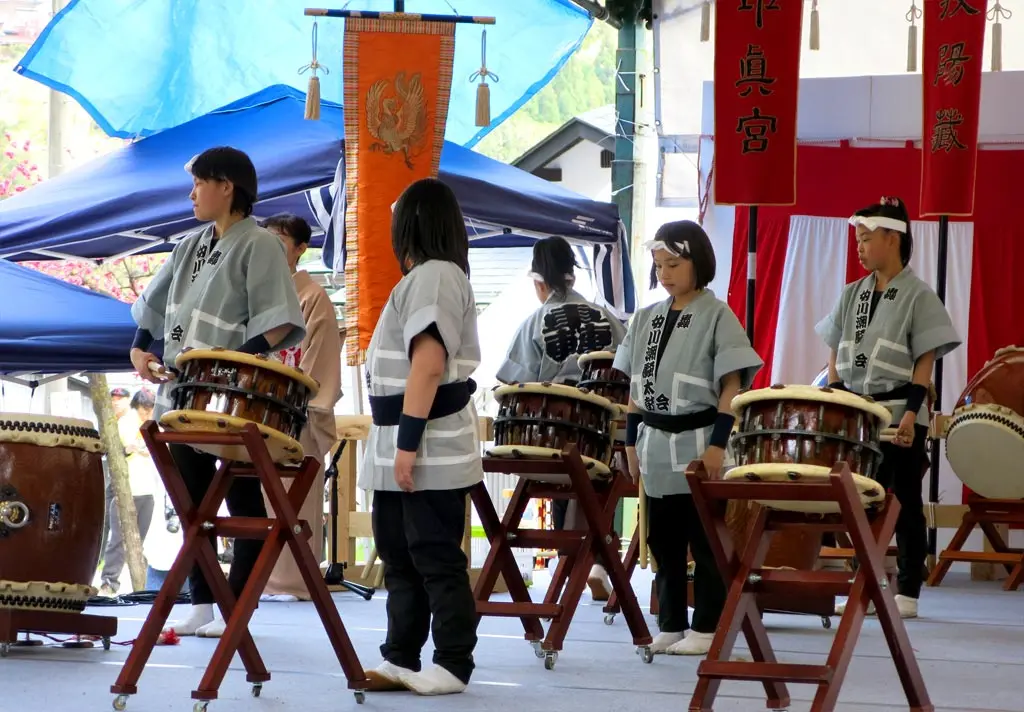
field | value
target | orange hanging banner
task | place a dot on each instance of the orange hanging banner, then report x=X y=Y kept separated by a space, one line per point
x=398 y=76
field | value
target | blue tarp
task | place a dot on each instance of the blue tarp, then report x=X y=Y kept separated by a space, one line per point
x=50 y=326
x=142 y=67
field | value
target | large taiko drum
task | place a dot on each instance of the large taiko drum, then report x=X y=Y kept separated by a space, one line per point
x=222 y=391
x=51 y=511
x=537 y=420
x=598 y=376
x=985 y=439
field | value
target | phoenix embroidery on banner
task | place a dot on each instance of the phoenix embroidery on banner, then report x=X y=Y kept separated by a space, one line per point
x=399 y=121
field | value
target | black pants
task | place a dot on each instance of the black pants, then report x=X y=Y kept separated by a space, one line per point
x=902 y=473
x=673 y=525
x=245 y=499
x=559 y=510
x=419 y=538
x=113 y=555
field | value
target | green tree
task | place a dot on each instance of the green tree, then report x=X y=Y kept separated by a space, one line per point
x=586 y=82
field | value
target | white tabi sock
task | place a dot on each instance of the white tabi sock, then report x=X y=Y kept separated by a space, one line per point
x=278 y=598
x=199 y=615
x=433 y=681
x=662 y=642
x=213 y=629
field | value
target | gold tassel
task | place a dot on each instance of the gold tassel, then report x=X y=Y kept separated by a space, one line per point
x=483 y=104
x=912 y=17
x=705 y=21
x=313 y=99
x=995 y=14
x=313 y=89
x=483 y=90
x=815 y=27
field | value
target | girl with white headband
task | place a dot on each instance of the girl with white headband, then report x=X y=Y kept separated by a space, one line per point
x=688 y=356
x=549 y=342
x=885 y=333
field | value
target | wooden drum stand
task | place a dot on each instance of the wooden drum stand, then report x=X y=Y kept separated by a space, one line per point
x=870 y=521
x=597 y=500
x=199 y=521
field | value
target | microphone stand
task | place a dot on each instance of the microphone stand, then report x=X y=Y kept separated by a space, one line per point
x=335 y=574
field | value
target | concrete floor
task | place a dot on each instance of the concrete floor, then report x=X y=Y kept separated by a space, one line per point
x=969 y=642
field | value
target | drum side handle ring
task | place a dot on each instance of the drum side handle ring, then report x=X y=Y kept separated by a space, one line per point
x=14 y=515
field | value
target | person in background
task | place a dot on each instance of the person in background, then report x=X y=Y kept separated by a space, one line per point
x=140 y=483
x=319 y=356
x=546 y=348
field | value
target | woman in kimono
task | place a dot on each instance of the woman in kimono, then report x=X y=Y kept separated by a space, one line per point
x=548 y=343
x=423 y=453
x=885 y=333
x=687 y=357
x=319 y=356
x=226 y=285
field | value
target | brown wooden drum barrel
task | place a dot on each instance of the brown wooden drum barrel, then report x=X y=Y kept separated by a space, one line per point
x=809 y=425
x=222 y=391
x=598 y=376
x=51 y=511
x=985 y=440
x=539 y=419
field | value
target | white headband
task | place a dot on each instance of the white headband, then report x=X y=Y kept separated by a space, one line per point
x=680 y=249
x=873 y=223
x=569 y=278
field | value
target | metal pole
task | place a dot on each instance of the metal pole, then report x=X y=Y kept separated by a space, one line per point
x=751 y=270
x=936 y=449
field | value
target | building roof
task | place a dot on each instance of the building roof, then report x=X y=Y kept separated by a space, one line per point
x=596 y=126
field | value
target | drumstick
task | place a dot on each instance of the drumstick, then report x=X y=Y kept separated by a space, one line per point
x=641 y=525
x=159 y=371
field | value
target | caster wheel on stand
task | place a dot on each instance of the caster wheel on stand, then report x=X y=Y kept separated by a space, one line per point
x=360 y=697
x=609 y=618
x=5 y=649
x=537 y=649
x=826 y=622
x=106 y=642
x=550 y=658
x=120 y=702
x=646 y=654
x=257 y=688
x=200 y=706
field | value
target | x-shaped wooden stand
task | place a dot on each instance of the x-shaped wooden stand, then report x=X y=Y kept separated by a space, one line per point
x=869 y=533
x=986 y=514
x=199 y=522
x=560 y=602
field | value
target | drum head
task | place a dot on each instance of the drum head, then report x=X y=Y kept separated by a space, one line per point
x=263 y=362
x=871 y=493
x=557 y=389
x=595 y=356
x=49 y=431
x=595 y=468
x=812 y=393
x=283 y=449
x=985 y=446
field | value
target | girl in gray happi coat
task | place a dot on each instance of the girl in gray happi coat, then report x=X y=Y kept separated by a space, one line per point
x=227 y=285
x=423 y=453
x=885 y=333
x=687 y=358
x=546 y=348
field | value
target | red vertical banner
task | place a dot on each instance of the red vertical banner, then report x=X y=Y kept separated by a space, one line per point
x=954 y=40
x=757 y=81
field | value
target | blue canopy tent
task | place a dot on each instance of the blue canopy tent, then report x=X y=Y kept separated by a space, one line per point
x=142 y=67
x=135 y=200
x=51 y=327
